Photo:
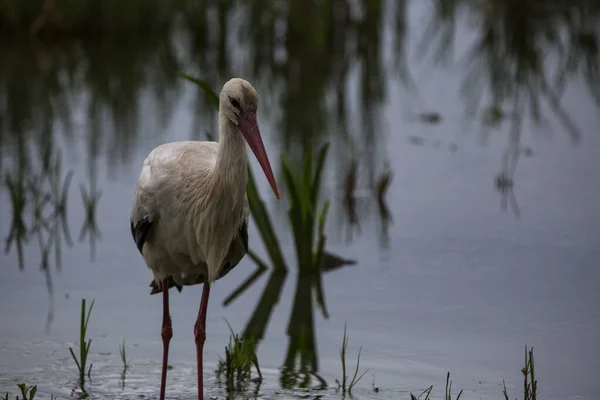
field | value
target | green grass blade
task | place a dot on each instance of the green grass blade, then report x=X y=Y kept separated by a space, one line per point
x=323 y=217
x=308 y=165
x=262 y=266
x=89 y=313
x=75 y=358
x=210 y=94
x=23 y=388
x=262 y=220
x=299 y=192
x=354 y=380
x=290 y=182
x=316 y=184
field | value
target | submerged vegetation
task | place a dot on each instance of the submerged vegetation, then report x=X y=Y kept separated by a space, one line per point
x=240 y=356
x=123 y=354
x=345 y=385
x=447 y=391
x=27 y=393
x=84 y=344
x=530 y=385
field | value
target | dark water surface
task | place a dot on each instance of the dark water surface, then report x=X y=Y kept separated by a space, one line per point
x=453 y=282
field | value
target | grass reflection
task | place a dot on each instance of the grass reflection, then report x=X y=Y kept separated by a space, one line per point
x=44 y=197
x=15 y=185
x=90 y=201
x=39 y=195
x=510 y=59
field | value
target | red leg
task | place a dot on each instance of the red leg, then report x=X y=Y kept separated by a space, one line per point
x=167 y=334
x=200 y=336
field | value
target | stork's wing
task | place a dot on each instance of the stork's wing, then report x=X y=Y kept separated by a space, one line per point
x=163 y=167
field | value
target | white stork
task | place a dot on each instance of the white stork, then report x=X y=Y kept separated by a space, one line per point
x=190 y=211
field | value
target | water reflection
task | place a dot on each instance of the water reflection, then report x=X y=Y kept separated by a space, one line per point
x=505 y=182
x=525 y=52
x=305 y=66
x=39 y=203
x=90 y=199
x=301 y=363
x=44 y=195
x=359 y=202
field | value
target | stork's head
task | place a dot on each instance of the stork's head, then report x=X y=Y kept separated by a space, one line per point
x=238 y=103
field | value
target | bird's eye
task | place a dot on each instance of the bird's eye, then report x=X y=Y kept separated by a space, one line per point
x=234 y=102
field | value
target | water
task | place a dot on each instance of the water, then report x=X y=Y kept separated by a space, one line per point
x=451 y=283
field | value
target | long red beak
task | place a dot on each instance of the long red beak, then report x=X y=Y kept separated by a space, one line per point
x=249 y=128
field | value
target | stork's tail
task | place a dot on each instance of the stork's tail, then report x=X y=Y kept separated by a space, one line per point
x=157 y=288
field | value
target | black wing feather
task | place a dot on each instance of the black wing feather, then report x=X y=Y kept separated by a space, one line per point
x=244 y=234
x=140 y=232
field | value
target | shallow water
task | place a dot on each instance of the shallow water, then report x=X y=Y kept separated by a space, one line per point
x=455 y=283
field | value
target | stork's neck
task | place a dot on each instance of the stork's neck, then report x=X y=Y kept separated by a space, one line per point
x=231 y=171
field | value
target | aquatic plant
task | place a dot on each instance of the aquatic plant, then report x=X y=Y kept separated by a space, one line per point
x=530 y=384
x=123 y=354
x=27 y=393
x=84 y=345
x=447 y=392
x=240 y=355
x=344 y=385
x=426 y=392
